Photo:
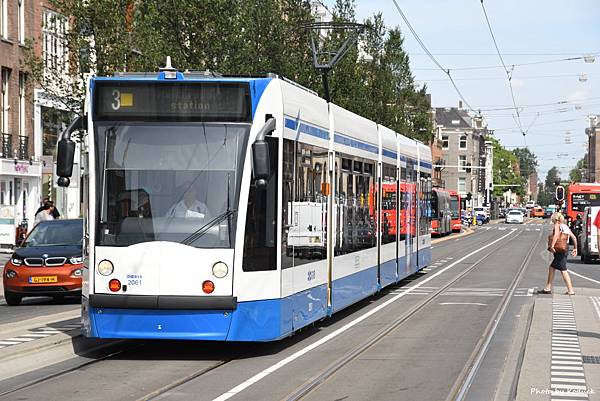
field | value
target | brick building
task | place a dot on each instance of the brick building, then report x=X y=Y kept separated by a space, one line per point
x=30 y=119
x=20 y=166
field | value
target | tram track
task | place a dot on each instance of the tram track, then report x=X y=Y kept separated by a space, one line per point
x=321 y=377
x=127 y=347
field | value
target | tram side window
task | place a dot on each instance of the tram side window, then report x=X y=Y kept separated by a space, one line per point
x=389 y=204
x=260 y=237
x=305 y=192
x=356 y=209
x=426 y=199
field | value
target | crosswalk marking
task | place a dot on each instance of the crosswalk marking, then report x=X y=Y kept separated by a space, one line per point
x=38 y=333
x=567 y=378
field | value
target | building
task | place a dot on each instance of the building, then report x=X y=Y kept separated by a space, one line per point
x=51 y=112
x=532 y=186
x=463 y=152
x=593 y=153
x=20 y=164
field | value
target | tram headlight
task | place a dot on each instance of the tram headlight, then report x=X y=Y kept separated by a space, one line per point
x=220 y=269
x=105 y=267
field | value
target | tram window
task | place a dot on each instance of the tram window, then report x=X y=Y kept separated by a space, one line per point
x=346 y=164
x=356 y=210
x=403 y=173
x=305 y=200
x=389 y=204
x=260 y=237
x=368 y=169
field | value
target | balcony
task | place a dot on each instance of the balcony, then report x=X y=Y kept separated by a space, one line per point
x=6 y=146
x=23 y=151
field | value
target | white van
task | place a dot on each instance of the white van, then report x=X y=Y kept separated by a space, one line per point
x=588 y=238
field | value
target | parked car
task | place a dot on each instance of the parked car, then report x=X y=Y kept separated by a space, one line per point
x=587 y=240
x=515 y=216
x=49 y=263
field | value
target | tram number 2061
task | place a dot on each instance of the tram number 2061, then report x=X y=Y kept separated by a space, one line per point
x=312 y=274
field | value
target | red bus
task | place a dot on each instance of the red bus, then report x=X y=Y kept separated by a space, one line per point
x=581 y=195
x=455 y=209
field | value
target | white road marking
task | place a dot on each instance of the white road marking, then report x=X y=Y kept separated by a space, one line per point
x=575 y=374
x=566 y=380
x=567 y=367
x=9 y=342
x=20 y=339
x=462 y=303
x=273 y=368
x=584 y=277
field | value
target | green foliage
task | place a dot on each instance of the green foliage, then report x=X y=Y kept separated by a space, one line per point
x=577 y=174
x=527 y=161
x=240 y=37
x=506 y=170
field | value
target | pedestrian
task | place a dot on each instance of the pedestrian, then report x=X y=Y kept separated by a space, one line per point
x=558 y=245
x=45 y=214
x=45 y=203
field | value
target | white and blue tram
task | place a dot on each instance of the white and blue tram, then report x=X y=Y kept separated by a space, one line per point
x=238 y=209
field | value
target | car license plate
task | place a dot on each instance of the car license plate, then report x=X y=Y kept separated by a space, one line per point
x=43 y=279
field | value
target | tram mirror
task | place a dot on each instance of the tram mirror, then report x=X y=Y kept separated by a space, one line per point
x=64 y=158
x=261 y=162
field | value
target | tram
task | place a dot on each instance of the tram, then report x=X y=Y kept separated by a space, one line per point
x=441 y=219
x=455 y=202
x=237 y=209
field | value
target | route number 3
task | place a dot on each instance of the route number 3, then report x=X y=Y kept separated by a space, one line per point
x=116 y=104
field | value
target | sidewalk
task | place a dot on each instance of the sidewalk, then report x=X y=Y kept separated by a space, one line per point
x=562 y=354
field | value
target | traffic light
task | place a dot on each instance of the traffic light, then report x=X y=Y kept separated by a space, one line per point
x=559 y=193
x=469 y=196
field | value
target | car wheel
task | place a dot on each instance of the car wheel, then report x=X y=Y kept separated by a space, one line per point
x=12 y=299
x=586 y=258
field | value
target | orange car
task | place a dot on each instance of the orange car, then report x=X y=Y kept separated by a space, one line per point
x=537 y=212
x=48 y=264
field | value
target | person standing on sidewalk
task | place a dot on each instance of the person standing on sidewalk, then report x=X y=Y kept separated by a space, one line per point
x=559 y=262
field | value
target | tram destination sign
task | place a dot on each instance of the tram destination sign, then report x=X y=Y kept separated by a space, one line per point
x=172 y=101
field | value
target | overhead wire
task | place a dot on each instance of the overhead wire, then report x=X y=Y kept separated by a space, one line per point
x=432 y=57
x=489 y=67
x=508 y=72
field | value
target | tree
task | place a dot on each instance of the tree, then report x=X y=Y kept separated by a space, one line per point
x=527 y=161
x=577 y=174
x=506 y=170
x=239 y=37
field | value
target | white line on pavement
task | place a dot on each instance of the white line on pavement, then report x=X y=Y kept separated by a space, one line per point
x=584 y=277
x=273 y=368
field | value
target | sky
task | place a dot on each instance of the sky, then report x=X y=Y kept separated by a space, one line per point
x=553 y=103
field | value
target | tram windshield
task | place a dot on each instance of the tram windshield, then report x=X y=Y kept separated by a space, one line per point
x=168 y=182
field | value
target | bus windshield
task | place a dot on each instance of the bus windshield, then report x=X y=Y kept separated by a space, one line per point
x=580 y=200
x=174 y=182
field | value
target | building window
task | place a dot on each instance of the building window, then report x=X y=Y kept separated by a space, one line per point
x=4 y=18
x=444 y=141
x=21 y=21
x=4 y=102
x=462 y=143
x=22 y=81
x=462 y=185
x=462 y=162
x=54 y=32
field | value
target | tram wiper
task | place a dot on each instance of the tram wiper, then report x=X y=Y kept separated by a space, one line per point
x=190 y=239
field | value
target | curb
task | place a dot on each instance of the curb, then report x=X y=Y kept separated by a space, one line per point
x=463 y=233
